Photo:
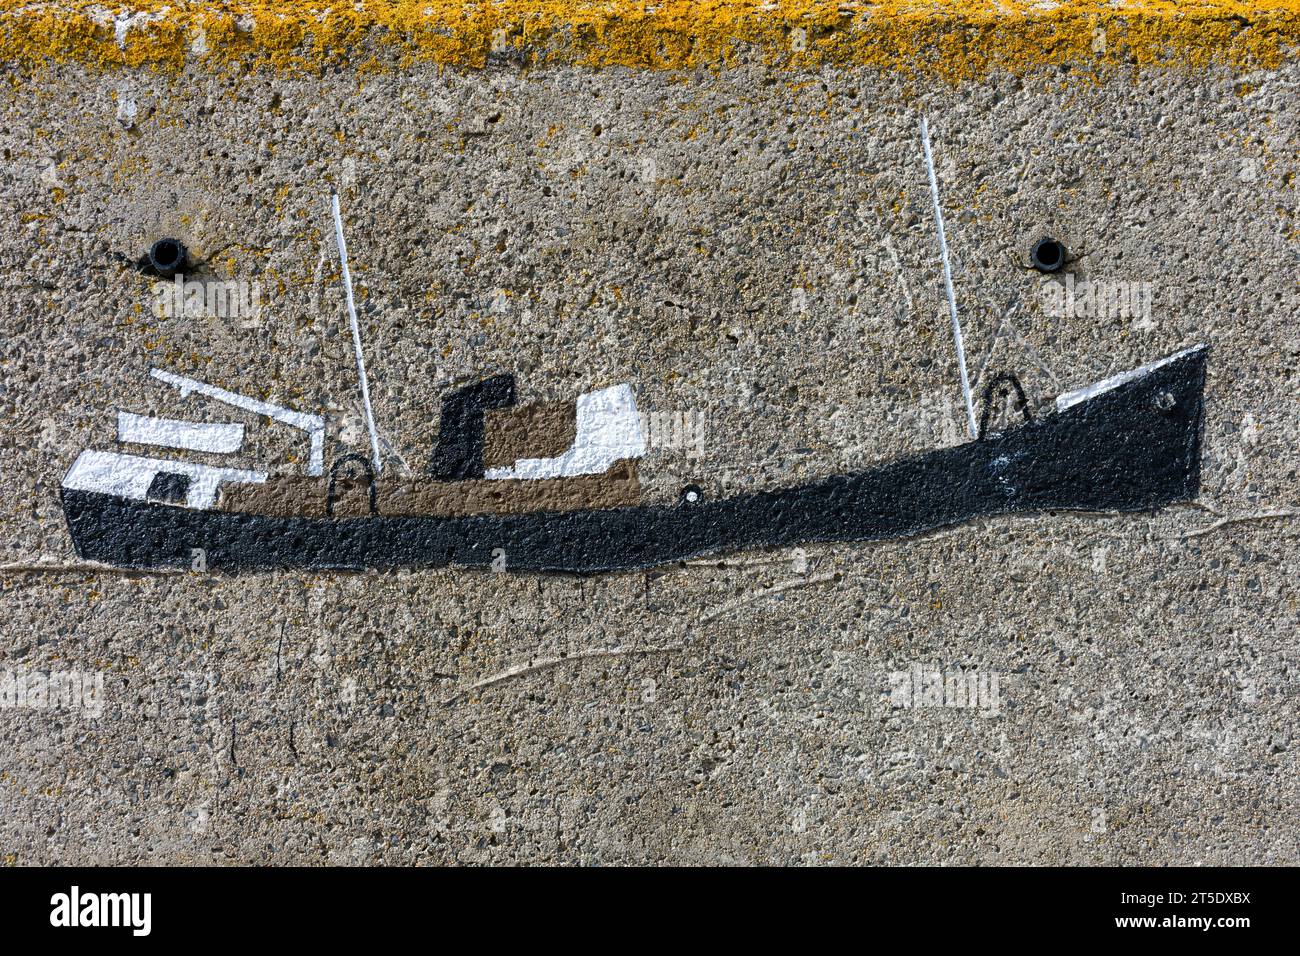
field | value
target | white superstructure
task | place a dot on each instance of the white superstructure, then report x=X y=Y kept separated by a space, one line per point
x=133 y=476
x=608 y=430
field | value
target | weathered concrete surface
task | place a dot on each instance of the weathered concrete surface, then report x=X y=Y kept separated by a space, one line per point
x=753 y=247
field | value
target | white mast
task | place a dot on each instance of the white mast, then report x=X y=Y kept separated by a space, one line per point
x=947 y=281
x=356 y=334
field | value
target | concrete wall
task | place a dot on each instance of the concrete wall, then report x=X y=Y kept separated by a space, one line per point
x=751 y=246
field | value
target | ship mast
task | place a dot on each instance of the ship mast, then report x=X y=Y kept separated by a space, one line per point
x=947 y=281
x=356 y=333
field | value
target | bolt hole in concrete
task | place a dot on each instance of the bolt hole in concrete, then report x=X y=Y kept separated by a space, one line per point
x=1047 y=255
x=167 y=256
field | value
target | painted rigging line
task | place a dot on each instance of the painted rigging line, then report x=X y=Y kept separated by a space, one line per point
x=947 y=281
x=356 y=333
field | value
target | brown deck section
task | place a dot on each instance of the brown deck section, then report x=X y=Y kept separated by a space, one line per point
x=528 y=431
x=305 y=497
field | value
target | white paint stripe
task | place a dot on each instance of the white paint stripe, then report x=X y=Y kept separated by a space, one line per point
x=129 y=476
x=1105 y=385
x=947 y=280
x=314 y=425
x=356 y=333
x=221 y=438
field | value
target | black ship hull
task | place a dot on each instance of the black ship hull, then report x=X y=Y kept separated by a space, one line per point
x=1135 y=447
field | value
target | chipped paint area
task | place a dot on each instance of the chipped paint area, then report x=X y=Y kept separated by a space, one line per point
x=949 y=38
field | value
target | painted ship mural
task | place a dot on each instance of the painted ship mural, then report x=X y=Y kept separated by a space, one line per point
x=555 y=488
x=544 y=488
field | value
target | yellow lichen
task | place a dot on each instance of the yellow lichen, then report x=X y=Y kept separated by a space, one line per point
x=951 y=38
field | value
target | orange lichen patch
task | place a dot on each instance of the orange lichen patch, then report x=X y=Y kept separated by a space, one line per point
x=952 y=38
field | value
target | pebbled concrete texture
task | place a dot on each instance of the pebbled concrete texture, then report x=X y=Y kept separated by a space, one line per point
x=753 y=249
